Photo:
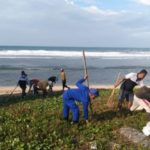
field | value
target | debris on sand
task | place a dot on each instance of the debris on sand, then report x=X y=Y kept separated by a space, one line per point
x=135 y=136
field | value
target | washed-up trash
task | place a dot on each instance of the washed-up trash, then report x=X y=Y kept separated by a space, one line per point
x=134 y=136
x=146 y=129
x=93 y=145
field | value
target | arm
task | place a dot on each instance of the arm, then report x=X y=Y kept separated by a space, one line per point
x=141 y=84
x=27 y=81
x=65 y=76
x=118 y=82
x=18 y=81
x=80 y=85
x=128 y=76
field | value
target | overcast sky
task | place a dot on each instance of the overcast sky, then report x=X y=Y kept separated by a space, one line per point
x=104 y=23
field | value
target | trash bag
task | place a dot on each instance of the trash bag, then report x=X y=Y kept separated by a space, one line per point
x=146 y=129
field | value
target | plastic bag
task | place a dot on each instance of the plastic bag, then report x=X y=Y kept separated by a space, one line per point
x=146 y=129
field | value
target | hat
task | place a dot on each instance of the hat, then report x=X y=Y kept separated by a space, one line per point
x=23 y=73
x=94 y=92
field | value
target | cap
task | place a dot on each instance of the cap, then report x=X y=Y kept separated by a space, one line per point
x=23 y=73
x=94 y=92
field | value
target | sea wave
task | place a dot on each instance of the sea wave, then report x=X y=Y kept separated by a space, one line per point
x=72 y=54
x=33 y=68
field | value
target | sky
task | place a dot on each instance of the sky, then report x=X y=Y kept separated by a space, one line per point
x=94 y=23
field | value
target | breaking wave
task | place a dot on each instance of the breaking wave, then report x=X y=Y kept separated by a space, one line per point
x=72 y=54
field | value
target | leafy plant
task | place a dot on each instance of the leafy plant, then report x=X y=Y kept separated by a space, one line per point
x=35 y=123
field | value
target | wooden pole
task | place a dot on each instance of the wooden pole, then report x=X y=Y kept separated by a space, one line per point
x=86 y=73
x=85 y=68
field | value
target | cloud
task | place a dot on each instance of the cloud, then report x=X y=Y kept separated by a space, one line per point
x=69 y=2
x=98 y=11
x=84 y=2
x=71 y=23
x=144 y=2
x=141 y=34
x=91 y=7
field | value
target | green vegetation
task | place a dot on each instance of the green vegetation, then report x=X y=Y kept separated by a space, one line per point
x=35 y=124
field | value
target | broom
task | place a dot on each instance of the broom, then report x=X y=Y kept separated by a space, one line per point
x=110 y=101
x=13 y=91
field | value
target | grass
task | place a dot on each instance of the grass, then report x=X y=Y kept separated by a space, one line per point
x=36 y=124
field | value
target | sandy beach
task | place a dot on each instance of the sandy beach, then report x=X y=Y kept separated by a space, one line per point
x=5 y=90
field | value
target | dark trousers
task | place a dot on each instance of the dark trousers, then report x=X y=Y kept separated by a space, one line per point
x=23 y=87
x=123 y=94
x=64 y=85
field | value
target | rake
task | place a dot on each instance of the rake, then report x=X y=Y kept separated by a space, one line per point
x=110 y=101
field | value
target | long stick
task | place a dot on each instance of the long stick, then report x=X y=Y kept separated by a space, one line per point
x=86 y=73
x=13 y=91
x=85 y=68
x=109 y=102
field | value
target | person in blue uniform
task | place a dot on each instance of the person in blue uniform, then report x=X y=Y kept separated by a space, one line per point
x=82 y=94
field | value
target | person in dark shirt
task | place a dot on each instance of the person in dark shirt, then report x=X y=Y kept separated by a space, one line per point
x=23 y=81
x=128 y=82
x=51 y=81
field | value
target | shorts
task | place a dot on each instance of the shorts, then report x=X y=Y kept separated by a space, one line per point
x=128 y=95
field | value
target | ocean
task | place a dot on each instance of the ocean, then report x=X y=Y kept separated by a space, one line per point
x=104 y=64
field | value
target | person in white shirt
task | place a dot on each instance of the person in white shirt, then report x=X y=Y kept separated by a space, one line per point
x=128 y=82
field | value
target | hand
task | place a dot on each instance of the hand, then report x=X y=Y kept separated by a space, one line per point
x=115 y=86
x=87 y=122
x=85 y=77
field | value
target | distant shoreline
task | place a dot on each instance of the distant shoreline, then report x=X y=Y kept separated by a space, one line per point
x=6 y=90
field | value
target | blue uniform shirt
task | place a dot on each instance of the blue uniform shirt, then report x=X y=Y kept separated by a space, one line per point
x=81 y=95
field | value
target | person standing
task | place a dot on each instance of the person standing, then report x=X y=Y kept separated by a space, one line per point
x=64 y=80
x=23 y=81
x=128 y=82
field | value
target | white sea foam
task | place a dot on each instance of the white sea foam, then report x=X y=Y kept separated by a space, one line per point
x=72 y=54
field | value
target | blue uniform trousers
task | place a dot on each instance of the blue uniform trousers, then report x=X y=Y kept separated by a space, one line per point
x=69 y=104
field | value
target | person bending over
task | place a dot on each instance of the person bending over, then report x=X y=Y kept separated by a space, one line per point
x=51 y=81
x=82 y=94
x=33 y=85
x=127 y=85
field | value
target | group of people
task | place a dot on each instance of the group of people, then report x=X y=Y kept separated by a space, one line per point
x=37 y=85
x=138 y=100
